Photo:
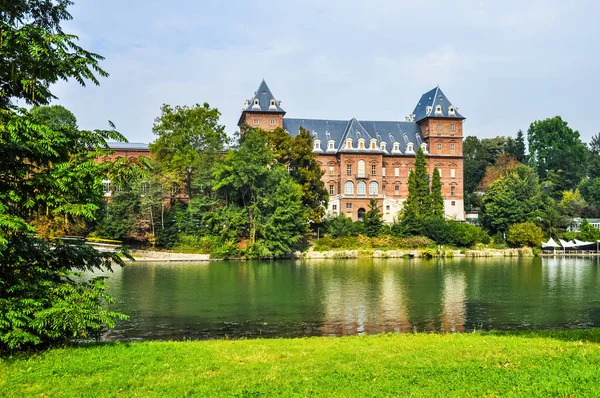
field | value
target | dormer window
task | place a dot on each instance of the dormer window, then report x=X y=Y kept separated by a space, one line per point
x=361 y=143
x=349 y=143
x=256 y=102
x=451 y=110
x=424 y=147
x=410 y=147
x=396 y=147
x=330 y=145
x=272 y=102
x=272 y=105
x=438 y=109
x=373 y=144
x=382 y=145
x=317 y=145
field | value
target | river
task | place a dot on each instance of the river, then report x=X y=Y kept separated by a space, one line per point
x=177 y=301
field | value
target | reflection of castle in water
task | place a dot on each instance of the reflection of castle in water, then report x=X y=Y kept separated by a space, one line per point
x=382 y=304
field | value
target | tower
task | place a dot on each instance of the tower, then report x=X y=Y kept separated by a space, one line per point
x=262 y=110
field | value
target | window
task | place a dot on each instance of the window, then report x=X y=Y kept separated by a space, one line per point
x=373 y=170
x=361 y=167
x=349 y=188
x=438 y=109
x=383 y=171
x=451 y=110
x=334 y=207
x=439 y=147
x=396 y=172
x=317 y=145
x=349 y=143
x=272 y=102
x=409 y=170
x=331 y=144
x=331 y=170
x=387 y=208
x=409 y=147
x=452 y=191
x=373 y=188
x=349 y=169
x=361 y=143
x=331 y=190
x=256 y=122
x=453 y=203
x=439 y=127
x=383 y=189
x=452 y=173
x=348 y=205
x=396 y=147
x=451 y=147
x=105 y=186
x=361 y=188
x=452 y=127
x=440 y=171
x=397 y=190
x=272 y=122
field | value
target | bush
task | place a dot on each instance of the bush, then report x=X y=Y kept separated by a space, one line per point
x=363 y=242
x=525 y=234
x=454 y=233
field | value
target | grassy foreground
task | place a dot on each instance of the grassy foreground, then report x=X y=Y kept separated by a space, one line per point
x=483 y=364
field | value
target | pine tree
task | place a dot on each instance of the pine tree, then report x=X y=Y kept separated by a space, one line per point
x=372 y=219
x=437 y=200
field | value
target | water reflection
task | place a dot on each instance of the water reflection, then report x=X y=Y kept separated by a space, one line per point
x=346 y=297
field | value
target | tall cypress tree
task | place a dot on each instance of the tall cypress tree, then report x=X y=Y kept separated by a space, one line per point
x=437 y=200
x=418 y=203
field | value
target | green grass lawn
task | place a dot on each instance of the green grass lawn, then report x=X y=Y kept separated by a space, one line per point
x=559 y=364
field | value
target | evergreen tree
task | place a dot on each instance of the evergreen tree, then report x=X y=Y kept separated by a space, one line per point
x=437 y=200
x=372 y=219
x=417 y=205
x=594 y=157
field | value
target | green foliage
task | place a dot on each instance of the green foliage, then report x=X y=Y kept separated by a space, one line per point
x=557 y=149
x=525 y=235
x=418 y=203
x=454 y=233
x=46 y=171
x=437 y=200
x=190 y=141
x=363 y=242
x=55 y=116
x=588 y=232
x=35 y=52
x=372 y=219
x=297 y=155
x=594 y=157
x=339 y=226
x=250 y=179
x=515 y=198
x=516 y=147
x=590 y=191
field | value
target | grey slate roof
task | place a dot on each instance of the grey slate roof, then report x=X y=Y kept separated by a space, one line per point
x=265 y=98
x=430 y=101
x=339 y=130
x=128 y=145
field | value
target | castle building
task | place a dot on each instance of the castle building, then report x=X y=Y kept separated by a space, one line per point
x=372 y=159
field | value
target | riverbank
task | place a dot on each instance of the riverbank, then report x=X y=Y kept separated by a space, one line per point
x=415 y=253
x=560 y=363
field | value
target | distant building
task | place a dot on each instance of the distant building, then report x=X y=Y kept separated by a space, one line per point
x=372 y=159
x=576 y=224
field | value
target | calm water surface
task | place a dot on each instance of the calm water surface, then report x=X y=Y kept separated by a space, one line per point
x=346 y=297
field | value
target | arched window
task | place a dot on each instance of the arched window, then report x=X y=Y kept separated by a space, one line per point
x=361 y=167
x=361 y=188
x=349 y=188
x=373 y=188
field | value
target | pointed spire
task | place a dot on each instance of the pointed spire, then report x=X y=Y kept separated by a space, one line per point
x=263 y=100
x=435 y=104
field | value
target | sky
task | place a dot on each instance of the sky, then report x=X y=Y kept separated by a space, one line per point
x=504 y=64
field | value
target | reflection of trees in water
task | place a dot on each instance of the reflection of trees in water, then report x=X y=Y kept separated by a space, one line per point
x=453 y=302
x=371 y=301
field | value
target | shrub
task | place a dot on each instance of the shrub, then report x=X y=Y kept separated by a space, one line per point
x=525 y=234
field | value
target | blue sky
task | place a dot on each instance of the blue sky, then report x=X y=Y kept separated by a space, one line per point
x=504 y=64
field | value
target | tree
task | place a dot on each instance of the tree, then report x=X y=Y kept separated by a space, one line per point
x=372 y=219
x=587 y=232
x=515 y=198
x=555 y=147
x=516 y=147
x=250 y=179
x=590 y=191
x=525 y=234
x=297 y=155
x=190 y=140
x=46 y=170
x=503 y=165
x=594 y=157
x=437 y=200
x=54 y=116
x=418 y=203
